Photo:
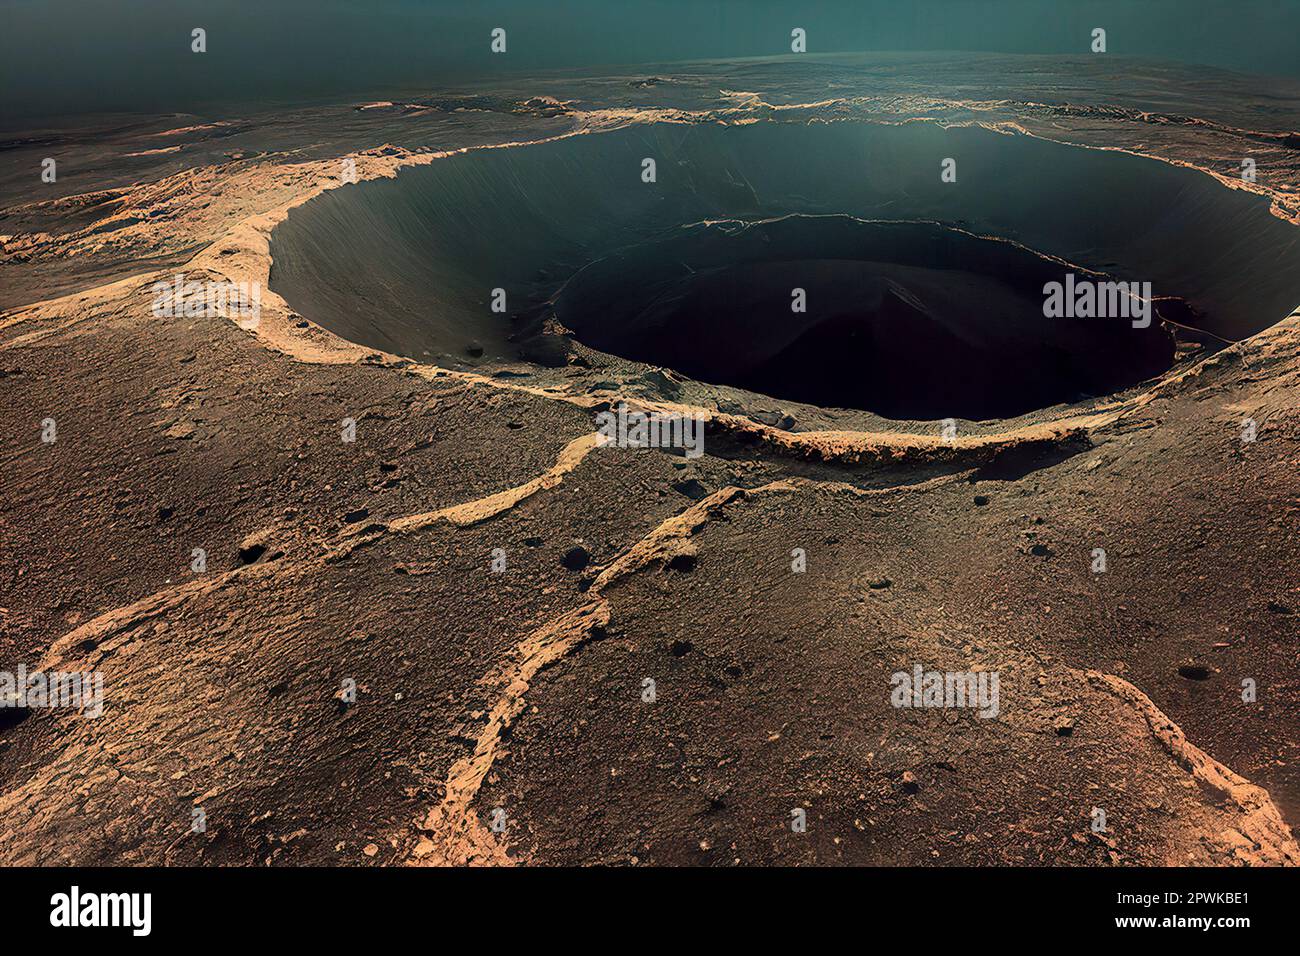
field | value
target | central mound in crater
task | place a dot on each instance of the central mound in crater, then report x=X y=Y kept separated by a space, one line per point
x=923 y=298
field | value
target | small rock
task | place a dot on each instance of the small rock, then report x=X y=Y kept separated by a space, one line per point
x=663 y=382
x=576 y=558
x=181 y=430
x=691 y=489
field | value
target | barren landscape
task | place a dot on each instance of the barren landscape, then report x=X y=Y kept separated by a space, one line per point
x=501 y=714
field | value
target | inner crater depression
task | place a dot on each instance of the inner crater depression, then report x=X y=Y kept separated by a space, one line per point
x=923 y=298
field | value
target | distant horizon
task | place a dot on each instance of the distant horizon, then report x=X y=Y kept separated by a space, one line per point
x=78 y=57
x=209 y=105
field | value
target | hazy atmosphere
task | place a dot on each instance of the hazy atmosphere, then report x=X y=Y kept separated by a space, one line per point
x=75 y=56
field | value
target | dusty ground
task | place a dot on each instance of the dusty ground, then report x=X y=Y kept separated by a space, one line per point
x=371 y=561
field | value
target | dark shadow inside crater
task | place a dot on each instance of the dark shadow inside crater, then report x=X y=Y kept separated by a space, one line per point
x=909 y=320
x=913 y=311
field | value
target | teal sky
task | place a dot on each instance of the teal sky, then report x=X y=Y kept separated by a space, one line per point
x=62 y=56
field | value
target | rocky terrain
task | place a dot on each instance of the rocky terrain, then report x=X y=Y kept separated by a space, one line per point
x=501 y=717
